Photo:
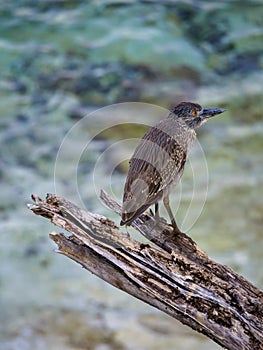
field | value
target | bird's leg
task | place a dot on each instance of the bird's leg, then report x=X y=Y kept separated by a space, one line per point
x=151 y=212
x=166 y=203
x=156 y=209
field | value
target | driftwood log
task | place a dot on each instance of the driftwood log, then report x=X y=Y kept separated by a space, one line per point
x=173 y=274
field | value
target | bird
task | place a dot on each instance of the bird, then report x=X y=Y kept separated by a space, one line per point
x=158 y=161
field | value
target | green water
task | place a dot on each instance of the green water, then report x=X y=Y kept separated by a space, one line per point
x=62 y=60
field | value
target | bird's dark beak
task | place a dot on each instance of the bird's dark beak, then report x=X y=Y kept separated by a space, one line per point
x=210 y=112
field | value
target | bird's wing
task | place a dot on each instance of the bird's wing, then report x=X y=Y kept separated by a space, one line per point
x=157 y=161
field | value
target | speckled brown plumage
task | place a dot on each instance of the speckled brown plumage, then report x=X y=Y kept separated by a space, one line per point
x=159 y=159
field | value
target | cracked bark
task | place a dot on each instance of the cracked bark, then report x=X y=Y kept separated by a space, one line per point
x=173 y=275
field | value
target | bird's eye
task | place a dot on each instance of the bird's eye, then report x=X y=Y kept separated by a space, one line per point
x=194 y=113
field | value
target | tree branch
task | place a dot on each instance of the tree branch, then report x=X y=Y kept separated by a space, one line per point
x=174 y=275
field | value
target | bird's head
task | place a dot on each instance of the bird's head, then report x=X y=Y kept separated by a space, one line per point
x=193 y=114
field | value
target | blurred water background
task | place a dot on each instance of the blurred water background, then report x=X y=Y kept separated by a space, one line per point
x=61 y=60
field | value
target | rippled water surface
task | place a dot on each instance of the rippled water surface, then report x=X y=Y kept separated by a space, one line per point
x=63 y=60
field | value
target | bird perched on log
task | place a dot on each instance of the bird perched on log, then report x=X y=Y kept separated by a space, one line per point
x=159 y=159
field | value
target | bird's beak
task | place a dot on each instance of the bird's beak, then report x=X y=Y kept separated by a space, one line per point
x=210 y=112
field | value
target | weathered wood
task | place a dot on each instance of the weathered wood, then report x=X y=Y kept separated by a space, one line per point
x=174 y=275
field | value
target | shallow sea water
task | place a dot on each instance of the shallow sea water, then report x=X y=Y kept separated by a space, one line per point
x=61 y=61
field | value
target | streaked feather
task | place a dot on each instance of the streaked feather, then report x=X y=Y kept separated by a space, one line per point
x=156 y=164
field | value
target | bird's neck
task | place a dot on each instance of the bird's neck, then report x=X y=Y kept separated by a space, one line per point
x=182 y=132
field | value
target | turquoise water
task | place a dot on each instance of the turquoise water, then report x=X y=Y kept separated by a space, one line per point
x=62 y=60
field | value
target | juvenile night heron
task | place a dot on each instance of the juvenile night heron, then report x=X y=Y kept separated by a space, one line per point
x=159 y=159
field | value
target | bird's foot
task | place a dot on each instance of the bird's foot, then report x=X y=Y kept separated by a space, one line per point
x=175 y=227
